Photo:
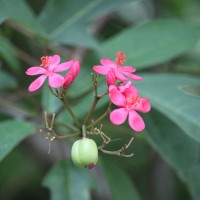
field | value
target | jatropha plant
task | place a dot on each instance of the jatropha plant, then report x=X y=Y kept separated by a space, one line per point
x=121 y=93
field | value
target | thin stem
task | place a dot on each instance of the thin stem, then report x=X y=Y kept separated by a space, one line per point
x=63 y=137
x=84 y=134
x=96 y=99
x=117 y=153
x=52 y=92
x=70 y=112
x=101 y=117
x=120 y=152
x=131 y=140
x=46 y=120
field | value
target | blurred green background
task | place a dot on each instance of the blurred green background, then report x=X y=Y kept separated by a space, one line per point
x=161 y=40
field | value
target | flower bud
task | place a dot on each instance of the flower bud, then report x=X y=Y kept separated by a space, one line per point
x=84 y=153
x=110 y=78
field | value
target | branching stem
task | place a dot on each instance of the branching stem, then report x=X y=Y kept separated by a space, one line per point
x=70 y=112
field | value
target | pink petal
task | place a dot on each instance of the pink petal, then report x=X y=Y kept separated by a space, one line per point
x=135 y=121
x=123 y=88
x=118 y=116
x=54 y=61
x=64 y=66
x=68 y=80
x=99 y=69
x=107 y=61
x=56 y=80
x=127 y=69
x=116 y=96
x=110 y=78
x=36 y=84
x=143 y=106
x=120 y=76
x=75 y=69
x=131 y=92
x=132 y=76
x=35 y=71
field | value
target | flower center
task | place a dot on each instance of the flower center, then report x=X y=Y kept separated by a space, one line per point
x=121 y=58
x=45 y=61
x=132 y=102
x=133 y=99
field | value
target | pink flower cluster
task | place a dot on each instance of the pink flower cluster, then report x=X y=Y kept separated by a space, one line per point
x=127 y=98
x=122 y=93
x=49 y=68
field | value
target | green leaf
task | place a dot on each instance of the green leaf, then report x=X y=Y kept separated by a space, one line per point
x=193 y=90
x=12 y=133
x=179 y=150
x=152 y=43
x=21 y=13
x=68 y=182
x=164 y=95
x=8 y=53
x=176 y=148
x=119 y=183
x=70 y=24
x=26 y=166
x=194 y=181
x=6 y=80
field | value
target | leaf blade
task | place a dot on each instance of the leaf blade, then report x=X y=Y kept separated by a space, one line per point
x=145 y=50
x=162 y=90
x=12 y=132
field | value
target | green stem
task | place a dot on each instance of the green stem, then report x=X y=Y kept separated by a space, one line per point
x=96 y=99
x=70 y=112
x=117 y=153
x=99 y=119
x=63 y=137
x=84 y=131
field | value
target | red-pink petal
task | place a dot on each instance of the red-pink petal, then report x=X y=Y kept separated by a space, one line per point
x=143 y=106
x=116 y=96
x=127 y=69
x=120 y=76
x=123 y=88
x=56 y=80
x=68 y=80
x=131 y=91
x=36 y=84
x=35 y=71
x=54 y=61
x=133 y=76
x=75 y=69
x=64 y=66
x=135 y=121
x=107 y=61
x=118 y=116
x=99 y=69
x=110 y=78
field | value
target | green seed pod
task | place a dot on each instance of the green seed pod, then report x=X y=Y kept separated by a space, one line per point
x=84 y=153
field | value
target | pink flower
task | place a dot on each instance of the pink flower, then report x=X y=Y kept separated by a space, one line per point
x=48 y=68
x=72 y=74
x=127 y=98
x=114 y=70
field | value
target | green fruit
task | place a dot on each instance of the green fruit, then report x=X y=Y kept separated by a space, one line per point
x=84 y=153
